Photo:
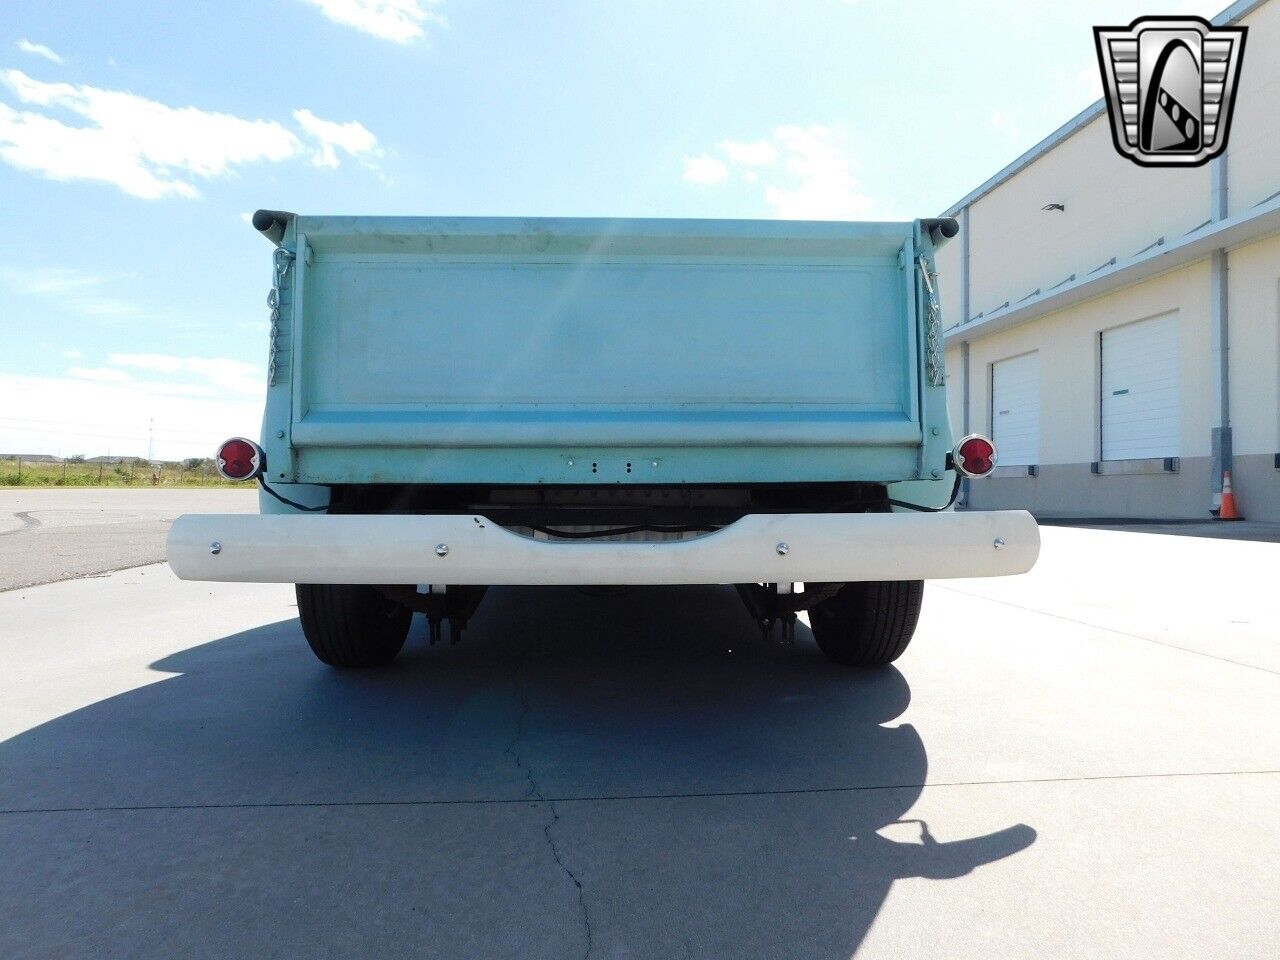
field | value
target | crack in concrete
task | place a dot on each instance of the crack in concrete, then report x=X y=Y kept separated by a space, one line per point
x=582 y=898
x=511 y=750
x=533 y=792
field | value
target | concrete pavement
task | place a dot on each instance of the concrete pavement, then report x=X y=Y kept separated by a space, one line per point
x=1259 y=531
x=1079 y=762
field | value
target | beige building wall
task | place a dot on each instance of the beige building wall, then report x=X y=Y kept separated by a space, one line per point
x=1254 y=298
x=1254 y=148
x=1114 y=208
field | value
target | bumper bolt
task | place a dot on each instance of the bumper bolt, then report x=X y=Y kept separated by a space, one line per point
x=442 y=549
x=783 y=548
x=215 y=548
x=998 y=543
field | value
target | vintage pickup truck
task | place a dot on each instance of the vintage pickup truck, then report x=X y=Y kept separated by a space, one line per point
x=455 y=403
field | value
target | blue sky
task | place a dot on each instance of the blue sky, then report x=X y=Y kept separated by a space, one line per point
x=136 y=137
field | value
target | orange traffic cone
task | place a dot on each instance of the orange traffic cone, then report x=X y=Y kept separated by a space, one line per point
x=1229 y=511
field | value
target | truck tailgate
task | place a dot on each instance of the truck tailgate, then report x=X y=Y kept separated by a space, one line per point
x=636 y=341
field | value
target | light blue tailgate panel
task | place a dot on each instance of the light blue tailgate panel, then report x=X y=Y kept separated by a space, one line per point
x=598 y=351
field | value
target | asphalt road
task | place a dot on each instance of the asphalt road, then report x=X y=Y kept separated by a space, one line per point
x=1081 y=762
x=57 y=533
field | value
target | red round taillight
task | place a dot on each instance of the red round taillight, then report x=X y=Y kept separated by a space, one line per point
x=240 y=459
x=974 y=456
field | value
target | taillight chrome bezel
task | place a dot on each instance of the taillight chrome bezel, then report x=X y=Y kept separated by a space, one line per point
x=957 y=458
x=258 y=461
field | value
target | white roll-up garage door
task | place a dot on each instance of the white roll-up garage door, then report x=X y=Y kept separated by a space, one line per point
x=1141 y=400
x=1015 y=409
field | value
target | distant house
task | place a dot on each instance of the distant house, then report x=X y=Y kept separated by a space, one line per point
x=33 y=457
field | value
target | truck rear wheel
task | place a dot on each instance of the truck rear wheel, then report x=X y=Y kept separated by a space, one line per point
x=351 y=625
x=867 y=624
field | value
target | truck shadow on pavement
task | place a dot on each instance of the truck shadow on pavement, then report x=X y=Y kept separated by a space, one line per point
x=634 y=775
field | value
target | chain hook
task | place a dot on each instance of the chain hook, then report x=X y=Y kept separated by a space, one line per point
x=281 y=260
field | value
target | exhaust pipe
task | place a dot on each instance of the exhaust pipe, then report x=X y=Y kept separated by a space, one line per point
x=272 y=224
x=941 y=229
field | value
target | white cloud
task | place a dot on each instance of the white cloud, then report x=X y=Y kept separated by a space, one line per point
x=94 y=416
x=760 y=153
x=351 y=137
x=101 y=374
x=218 y=373
x=145 y=148
x=149 y=149
x=813 y=181
x=400 y=21
x=80 y=292
x=823 y=186
x=194 y=401
x=705 y=169
x=38 y=50
x=72 y=353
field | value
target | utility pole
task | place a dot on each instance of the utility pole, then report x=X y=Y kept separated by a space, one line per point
x=151 y=440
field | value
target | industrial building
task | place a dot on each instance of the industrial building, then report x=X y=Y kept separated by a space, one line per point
x=1116 y=328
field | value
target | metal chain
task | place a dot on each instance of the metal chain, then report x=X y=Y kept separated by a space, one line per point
x=282 y=260
x=934 y=365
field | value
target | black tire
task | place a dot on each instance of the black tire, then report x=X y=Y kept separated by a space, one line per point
x=868 y=624
x=351 y=625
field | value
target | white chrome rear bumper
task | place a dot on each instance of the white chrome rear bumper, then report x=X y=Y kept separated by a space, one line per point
x=759 y=548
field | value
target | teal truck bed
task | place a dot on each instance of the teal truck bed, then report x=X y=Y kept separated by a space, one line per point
x=455 y=403
x=604 y=352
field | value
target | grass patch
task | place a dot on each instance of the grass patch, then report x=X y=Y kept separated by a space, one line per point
x=132 y=473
